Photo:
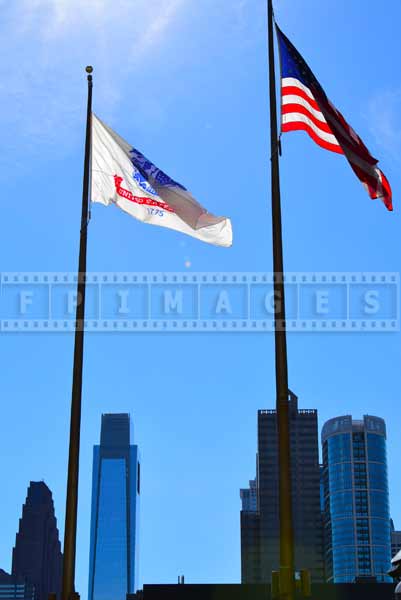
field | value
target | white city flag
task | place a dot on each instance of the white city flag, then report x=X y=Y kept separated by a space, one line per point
x=121 y=175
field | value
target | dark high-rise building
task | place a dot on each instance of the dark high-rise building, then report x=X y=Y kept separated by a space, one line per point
x=260 y=526
x=113 y=559
x=15 y=588
x=37 y=554
x=356 y=499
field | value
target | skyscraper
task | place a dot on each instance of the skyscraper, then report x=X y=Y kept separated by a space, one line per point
x=37 y=554
x=260 y=524
x=113 y=558
x=356 y=499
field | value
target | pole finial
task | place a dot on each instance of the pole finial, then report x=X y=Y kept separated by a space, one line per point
x=89 y=69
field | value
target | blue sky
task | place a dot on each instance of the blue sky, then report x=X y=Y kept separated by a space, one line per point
x=186 y=83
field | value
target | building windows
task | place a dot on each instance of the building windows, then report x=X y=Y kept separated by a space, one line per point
x=358 y=446
x=339 y=448
x=308 y=528
x=114 y=519
x=378 y=476
x=361 y=502
x=341 y=504
x=340 y=477
x=360 y=478
x=380 y=531
x=379 y=505
x=355 y=500
x=342 y=532
x=376 y=448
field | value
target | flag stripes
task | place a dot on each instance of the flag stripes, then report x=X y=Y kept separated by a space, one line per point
x=305 y=106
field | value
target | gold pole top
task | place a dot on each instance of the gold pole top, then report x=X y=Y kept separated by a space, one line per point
x=89 y=69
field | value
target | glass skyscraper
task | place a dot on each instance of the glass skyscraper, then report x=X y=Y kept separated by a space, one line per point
x=356 y=499
x=113 y=559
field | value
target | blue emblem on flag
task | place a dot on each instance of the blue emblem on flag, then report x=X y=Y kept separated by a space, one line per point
x=147 y=168
x=143 y=182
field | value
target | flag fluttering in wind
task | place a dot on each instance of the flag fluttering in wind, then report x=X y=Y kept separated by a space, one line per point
x=121 y=175
x=305 y=106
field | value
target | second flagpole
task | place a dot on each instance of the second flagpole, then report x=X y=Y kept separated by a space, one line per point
x=286 y=574
x=70 y=530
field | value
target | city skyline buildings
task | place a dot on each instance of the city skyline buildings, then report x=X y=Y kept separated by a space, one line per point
x=357 y=533
x=260 y=525
x=114 y=543
x=356 y=499
x=36 y=556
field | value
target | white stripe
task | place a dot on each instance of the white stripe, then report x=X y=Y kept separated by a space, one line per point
x=291 y=81
x=296 y=117
x=332 y=122
x=380 y=189
x=293 y=99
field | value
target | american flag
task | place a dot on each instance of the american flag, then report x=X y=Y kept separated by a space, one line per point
x=305 y=106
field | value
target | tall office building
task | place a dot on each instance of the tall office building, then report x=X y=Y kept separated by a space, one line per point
x=356 y=499
x=113 y=559
x=260 y=524
x=37 y=554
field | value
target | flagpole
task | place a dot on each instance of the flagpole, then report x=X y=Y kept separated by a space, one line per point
x=286 y=575
x=70 y=531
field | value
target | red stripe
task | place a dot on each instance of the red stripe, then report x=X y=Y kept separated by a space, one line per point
x=296 y=91
x=349 y=142
x=299 y=108
x=387 y=189
x=301 y=126
x=324 y=107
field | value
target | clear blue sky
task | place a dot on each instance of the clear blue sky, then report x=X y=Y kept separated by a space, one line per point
x=186 y=83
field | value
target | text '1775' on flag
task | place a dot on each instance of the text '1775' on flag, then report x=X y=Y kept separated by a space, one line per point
x=123 y=176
